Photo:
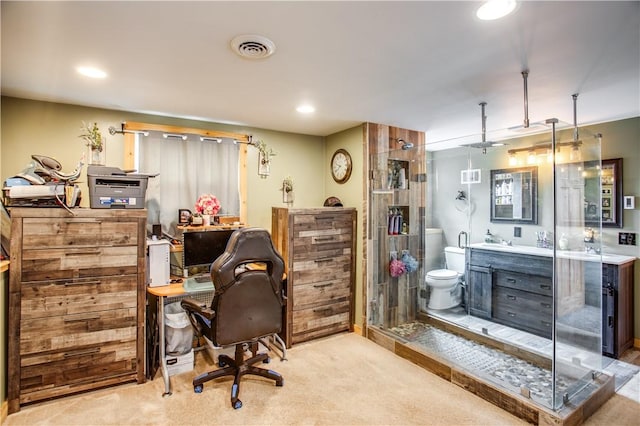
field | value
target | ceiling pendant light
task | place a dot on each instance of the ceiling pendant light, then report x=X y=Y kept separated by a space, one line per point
x=495 y=9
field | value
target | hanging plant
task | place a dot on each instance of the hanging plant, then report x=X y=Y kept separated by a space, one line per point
x=92 y=136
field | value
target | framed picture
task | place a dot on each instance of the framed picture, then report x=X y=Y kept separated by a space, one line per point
x=606 y=202
x=184 y=215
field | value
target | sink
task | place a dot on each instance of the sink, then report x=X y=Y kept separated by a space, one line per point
x=538 y=251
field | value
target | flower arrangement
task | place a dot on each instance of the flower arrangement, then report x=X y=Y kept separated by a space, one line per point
x=92 y=136
x=264 y=150
x=207 y=204
x=287 y=184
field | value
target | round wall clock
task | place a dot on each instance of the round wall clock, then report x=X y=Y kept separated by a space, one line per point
x=341 y=166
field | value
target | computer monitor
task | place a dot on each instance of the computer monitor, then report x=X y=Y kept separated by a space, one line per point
x=201 y=248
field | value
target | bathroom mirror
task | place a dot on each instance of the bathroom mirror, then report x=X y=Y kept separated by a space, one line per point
x=514 y=195
x=605 y=177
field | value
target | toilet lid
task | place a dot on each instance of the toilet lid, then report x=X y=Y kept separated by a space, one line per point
x=442 y=274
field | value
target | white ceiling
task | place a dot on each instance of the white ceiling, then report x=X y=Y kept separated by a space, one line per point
x=418 y=65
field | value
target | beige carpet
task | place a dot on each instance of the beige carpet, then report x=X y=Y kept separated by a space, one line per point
x=341 y=380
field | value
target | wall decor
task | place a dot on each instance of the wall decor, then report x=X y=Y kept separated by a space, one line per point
x=603 y=199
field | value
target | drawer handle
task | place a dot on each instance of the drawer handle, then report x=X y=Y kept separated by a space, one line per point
x=83 y=220
x=324 y=259
x=511 y=314
x=511 y=280
x=81 y=352
x=511 y=297
x=325 y=218
x=85 y=253
x=72 y=283
x=80 y=319
x=330 y=238
x=322 y=285
x=545 y=287
x=545 y=305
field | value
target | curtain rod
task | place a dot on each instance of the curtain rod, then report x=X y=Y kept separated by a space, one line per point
x=136 y=127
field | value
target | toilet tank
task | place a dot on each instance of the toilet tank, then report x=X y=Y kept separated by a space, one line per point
x=433 y=249
x=455 y=259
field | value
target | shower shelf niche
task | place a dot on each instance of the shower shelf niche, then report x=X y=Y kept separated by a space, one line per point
x=398 y=174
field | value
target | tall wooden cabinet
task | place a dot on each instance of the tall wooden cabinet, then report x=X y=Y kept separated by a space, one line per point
x=76 y=301
x=318 y=246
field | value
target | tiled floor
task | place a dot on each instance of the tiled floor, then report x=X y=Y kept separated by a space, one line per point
x=510 y=372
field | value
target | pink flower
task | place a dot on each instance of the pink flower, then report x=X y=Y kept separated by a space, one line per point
x=207 y=204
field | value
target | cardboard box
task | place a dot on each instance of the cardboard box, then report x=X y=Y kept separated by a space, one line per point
x=177 y=364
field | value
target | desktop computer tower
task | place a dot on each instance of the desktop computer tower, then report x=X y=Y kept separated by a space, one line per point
x=158 y=262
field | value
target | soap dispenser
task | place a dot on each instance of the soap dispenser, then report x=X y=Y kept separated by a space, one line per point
x=563 y=242
x=488 y=237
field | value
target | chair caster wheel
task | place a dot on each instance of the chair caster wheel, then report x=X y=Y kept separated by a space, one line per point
x=198 y=388
x=266 y=360
x=237 y=404
x=221 y=362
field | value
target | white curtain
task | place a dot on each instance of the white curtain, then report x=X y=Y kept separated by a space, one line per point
x=188 y=169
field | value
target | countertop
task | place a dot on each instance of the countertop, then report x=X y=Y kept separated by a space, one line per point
x=613 y=259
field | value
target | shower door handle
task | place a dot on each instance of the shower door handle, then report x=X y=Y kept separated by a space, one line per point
x=462 y=243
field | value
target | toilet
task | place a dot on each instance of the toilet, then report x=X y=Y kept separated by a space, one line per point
x=443 y=283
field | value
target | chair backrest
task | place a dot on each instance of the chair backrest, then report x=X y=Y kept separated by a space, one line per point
x=248 y=301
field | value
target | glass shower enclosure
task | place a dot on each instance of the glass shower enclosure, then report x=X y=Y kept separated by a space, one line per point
x=526 y=314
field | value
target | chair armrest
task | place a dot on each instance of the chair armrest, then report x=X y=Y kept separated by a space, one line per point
x=192 y=306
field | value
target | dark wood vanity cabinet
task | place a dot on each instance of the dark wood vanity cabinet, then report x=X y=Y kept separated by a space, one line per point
x=517 y=290
x=617 y=308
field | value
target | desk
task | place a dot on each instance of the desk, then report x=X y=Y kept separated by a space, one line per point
x=167 y=294
x=173 y=293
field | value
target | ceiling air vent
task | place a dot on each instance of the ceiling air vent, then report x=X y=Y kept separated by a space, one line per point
x=253 y=46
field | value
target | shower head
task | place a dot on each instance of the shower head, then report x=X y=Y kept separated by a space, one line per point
x=405 y=145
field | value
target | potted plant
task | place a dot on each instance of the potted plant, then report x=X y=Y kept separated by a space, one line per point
x=95 y=142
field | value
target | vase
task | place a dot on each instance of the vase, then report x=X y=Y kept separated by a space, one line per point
x=97 y=157
x=206 y=220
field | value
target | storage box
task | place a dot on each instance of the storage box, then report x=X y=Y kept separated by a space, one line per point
x=177 y=364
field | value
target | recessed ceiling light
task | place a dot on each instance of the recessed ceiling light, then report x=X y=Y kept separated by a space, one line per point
x=91 y=72
x=495 y=9
x=305 y=109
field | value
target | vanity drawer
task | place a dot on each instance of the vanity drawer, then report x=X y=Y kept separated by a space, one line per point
x=525 y=282
x=516 y=300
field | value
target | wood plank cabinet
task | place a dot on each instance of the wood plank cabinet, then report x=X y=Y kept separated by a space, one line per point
x=517 y=290
x=76 y=301
x=318 y=246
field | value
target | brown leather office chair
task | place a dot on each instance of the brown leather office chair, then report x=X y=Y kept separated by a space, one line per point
x=247 y=306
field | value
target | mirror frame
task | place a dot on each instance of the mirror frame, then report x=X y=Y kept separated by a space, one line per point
x=615 y=209
x=534 y=195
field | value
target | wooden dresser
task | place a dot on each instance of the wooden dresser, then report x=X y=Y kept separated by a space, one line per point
x=76 y=301
x=318 y=246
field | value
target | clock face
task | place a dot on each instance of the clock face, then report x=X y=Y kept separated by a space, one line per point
x=341 y=166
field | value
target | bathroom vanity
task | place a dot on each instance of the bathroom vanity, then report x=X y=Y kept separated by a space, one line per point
x=514 y=286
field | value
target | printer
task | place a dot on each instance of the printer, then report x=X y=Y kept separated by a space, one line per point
x=112 y=188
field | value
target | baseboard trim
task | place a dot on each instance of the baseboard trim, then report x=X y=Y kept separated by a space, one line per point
x=636 y=343
x=357 y=329
x=5 y=411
